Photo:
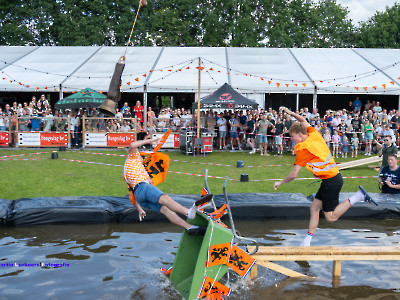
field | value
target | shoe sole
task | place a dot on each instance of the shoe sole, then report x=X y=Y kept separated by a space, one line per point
x=204 y=199
x=367 y=196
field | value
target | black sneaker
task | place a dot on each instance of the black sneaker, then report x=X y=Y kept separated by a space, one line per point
x=197 y=230
x=367 y=197
x=204 y=199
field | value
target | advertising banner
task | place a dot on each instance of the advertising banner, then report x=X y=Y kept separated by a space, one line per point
x=171 y=142
x=109 y=139
x=42 y=139
x=4 y=138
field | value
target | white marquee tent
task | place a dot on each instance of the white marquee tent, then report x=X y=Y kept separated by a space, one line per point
x=251 y=71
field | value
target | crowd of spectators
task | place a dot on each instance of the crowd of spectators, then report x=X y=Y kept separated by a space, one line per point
x=346 y=131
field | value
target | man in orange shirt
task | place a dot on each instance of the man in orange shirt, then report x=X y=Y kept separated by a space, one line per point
x=311 y=151
x=143 y=192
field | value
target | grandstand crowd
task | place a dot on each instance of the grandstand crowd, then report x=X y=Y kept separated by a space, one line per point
x=347 y=131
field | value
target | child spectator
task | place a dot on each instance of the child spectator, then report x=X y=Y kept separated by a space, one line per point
x=354 y=145
x=345 y=147
x=335 y=143
x=327 y=137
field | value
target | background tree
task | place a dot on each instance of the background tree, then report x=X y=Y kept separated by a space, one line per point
x=382 y=30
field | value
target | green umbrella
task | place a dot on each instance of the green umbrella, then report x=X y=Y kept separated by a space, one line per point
x=85 y=98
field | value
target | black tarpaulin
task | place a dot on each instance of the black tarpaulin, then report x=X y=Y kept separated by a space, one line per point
x=95 y=210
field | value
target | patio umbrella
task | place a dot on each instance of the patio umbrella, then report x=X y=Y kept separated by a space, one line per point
x=86 y=98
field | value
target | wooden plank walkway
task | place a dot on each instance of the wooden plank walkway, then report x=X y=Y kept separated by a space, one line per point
x=359 y=162
x=336 y=254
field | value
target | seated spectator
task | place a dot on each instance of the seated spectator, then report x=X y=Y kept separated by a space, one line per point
x=24 y=121
x=125 y=127
x=389 y=177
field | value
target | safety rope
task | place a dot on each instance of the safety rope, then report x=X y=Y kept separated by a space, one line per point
x=130 y=36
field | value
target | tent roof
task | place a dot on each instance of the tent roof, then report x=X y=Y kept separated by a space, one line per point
x=175 y=69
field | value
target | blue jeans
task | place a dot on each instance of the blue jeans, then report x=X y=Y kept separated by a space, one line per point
x=148 y=196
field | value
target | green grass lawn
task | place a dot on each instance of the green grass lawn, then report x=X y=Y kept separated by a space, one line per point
x=21 y=176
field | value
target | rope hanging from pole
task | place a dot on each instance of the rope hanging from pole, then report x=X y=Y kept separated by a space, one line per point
x=141 y=3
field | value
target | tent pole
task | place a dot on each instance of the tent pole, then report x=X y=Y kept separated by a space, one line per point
x=144 y=105
x=60 y=93
x=198 y=101
x=398 y=104
x=314 y=100
x=297 y=101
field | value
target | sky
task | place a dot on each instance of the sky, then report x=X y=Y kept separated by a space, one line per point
x=362 y=10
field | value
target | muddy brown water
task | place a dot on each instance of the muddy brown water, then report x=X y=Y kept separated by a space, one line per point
x=122 y=261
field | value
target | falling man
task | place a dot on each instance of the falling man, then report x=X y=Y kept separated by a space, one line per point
x=144 y=193
x=311 y=151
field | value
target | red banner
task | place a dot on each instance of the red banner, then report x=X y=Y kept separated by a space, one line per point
x=120 y=139
x=4 y=138
x=53 y=139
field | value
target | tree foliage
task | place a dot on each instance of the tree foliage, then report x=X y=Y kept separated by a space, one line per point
x=209 y=23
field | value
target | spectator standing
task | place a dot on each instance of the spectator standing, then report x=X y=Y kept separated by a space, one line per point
x=386 y=149
x=279 y=130
x=233 y=132
x=138 y=109
x=377 y=108
x=369 y=136
x=345 y=147
x=350 y=107
x=327 y=137
x=2 y=121
x=263 y=126
x=354 y=145
x=35 y=121
x=251 y=127
x=357 y=105
x=221 y=124
x=335 y=143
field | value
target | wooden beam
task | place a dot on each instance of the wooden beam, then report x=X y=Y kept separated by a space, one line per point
x=283 y=270
x=337 y=268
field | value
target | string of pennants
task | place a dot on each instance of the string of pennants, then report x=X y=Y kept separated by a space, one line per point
x=134 y=79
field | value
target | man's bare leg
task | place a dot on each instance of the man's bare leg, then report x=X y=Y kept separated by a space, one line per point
x=173 y=205
x=174 y=218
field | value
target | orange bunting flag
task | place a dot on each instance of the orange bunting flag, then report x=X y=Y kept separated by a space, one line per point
x=169 y=70
x=38 y=88
x=295 y=84
x=187 y=68
x=365 y=88
x=321 y=81
x=128 y=83
x=166 y=272
x=144 y=75
x=269 y=81
x=262 y=79
x=137 y=79
x=245 y=74
x=278 y=84
x=211 y=69
x=179 y=70
x=211 y=286
x=218 y=254
x=240 y=262
x=384 y=86
x=219 y=71
x=392 y=82
x=151 y=71
x=356 y=87
x=28 y=86
x=374 y=87
x=304 y=84
x=287 y=84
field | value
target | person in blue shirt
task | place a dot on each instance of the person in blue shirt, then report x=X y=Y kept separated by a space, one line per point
x=35 y=122
x=357 y=104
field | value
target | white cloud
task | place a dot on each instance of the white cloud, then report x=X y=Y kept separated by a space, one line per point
x=362 y=10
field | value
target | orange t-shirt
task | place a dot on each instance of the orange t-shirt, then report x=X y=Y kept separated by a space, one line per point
x=134 y=171
x=304 y=156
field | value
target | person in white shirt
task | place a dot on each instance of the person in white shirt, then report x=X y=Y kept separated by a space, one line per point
x=221 y=124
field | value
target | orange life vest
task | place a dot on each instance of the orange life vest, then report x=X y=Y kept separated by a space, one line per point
x=322 y=165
